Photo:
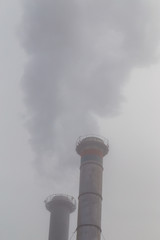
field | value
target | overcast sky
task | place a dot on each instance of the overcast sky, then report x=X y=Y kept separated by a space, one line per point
x=100 y=62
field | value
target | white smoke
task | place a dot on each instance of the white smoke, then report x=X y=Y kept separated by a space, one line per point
x=80 y=53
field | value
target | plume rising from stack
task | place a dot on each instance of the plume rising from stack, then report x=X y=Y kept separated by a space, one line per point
x=80 y=54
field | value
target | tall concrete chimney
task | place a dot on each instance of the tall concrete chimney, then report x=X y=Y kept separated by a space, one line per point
x=92 y=150
x=60 y=207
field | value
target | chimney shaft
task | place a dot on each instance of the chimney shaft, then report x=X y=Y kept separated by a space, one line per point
x=60 y=207
x=92 y=150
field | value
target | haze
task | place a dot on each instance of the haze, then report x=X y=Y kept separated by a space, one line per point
x=74 y=68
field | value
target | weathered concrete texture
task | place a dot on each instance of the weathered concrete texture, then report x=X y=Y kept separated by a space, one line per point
x=89 y=212
x=59 y=223
x=88 y=233
x=91 y=177
x=60 y=207
x=92 y=151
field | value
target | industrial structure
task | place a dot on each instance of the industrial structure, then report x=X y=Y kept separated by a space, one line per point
x=92 y=149
x=60 y=207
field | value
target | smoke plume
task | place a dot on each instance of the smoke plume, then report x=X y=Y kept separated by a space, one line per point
x=80 y=54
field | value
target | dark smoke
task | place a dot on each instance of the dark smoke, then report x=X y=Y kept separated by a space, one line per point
x=80 y=54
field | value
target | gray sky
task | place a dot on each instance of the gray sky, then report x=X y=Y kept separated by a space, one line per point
x=126 y=53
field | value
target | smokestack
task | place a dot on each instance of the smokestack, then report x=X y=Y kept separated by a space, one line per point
x=92 y=150
x=60 y=207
